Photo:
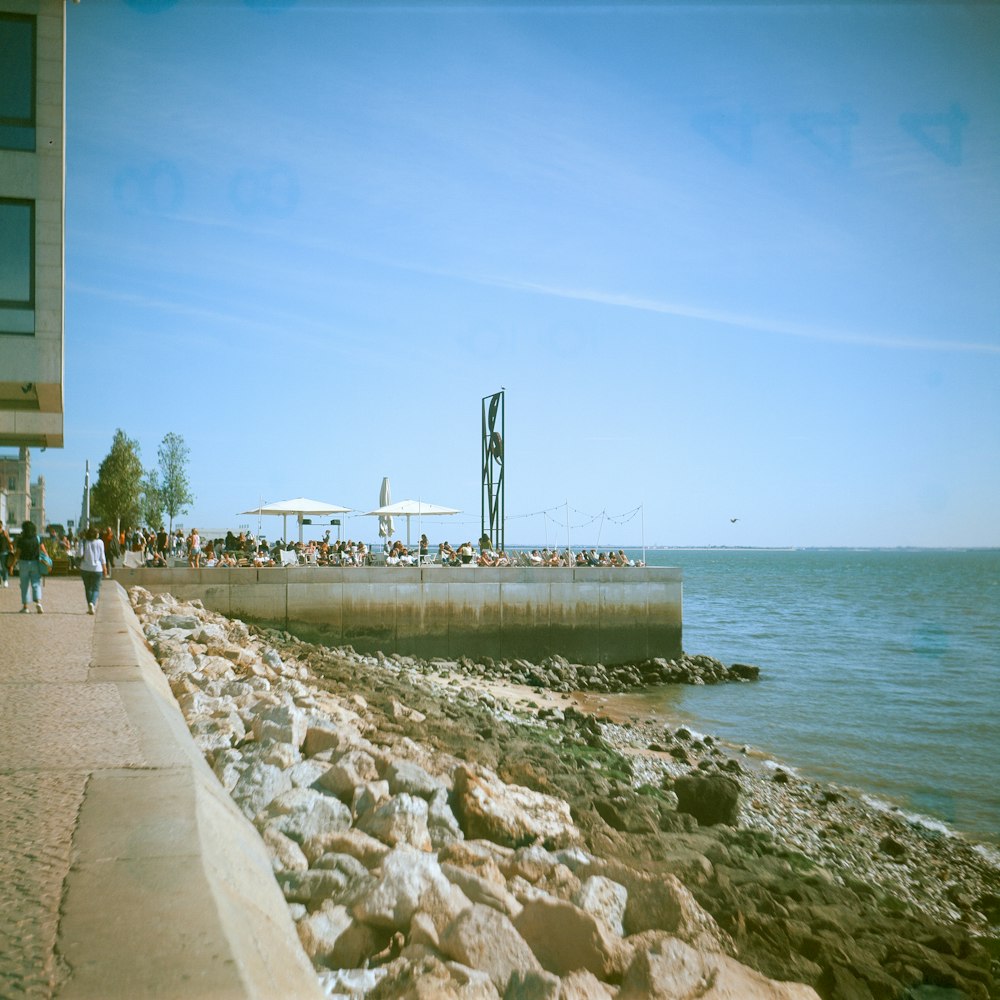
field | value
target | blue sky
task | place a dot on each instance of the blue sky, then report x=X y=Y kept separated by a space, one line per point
x=728 y=261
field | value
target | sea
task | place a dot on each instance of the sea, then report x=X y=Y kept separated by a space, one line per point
x=880 y=670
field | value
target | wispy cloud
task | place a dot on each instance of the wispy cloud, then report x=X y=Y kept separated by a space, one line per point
x=746 y=322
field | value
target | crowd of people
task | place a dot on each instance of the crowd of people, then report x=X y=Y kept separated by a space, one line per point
x=147 y=547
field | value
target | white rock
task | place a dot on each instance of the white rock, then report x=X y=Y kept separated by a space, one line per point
x=405 y=776
x=400 y=820
x=605 y=899
x=282 y=755
x=211 y=635
x=228 y=766
x=282 y=724
x=407 y=880
x=565 y=938
x=441 y=821
x=672 y=970
x=332 y=937
x=485 y=939
x=368 y=797
x=360 y=846
x=350 y=983
x=346 y=772
x=481 y=890
x=257 y=786
x=584 y=985
x=304 y=813
x=509 y=814
x=286 y=855
x=306 y=772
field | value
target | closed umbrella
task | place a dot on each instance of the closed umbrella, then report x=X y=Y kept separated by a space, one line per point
x=385 y=526
x=409 y=509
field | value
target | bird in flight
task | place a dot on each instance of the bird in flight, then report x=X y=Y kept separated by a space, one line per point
x=733 y=520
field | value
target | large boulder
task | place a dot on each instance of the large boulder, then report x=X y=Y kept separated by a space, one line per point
x=361 y=846
x=409 y=880
x=671 y=970
x=405 y=776
x=258 y=785
x=485 y=939
x=351 y=770
x=663 y=903
x=280 y=724
x=565 y=938
x=482 y=890
x=304 y=813
x=710 y=798
x=511 y=815
x=400 y=820
x=426 y=977
x=332 y=937
x=441 y=822
x=604 y=898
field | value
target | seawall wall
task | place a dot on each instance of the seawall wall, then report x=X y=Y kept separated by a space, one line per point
x=588 y=615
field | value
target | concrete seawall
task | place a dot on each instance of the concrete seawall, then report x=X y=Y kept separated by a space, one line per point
x=588 y=615
x=126 y=869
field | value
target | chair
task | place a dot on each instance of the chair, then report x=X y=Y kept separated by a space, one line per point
x=289 y=557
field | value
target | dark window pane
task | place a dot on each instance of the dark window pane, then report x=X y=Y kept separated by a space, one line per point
x=17 y=266
x=17 y=82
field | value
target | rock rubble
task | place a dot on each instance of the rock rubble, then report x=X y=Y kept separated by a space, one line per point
x=433 y=840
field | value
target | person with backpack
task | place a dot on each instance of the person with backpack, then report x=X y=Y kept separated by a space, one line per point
x=29 y=549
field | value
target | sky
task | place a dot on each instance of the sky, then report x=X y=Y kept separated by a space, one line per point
x=727 y=261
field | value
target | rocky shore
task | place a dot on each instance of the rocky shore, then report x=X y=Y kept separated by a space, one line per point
x=459 y=829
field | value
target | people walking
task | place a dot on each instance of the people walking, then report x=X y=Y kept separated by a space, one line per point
x=93 y=566
x=112 y=548
x=29 y=548
x=6 y=556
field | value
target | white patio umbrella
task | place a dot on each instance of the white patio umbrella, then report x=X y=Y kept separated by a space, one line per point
x=301 y=507
x=410 y=509
x=385 y=526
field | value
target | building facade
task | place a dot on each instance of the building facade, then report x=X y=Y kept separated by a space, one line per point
x=20 y=499
x=32 y=186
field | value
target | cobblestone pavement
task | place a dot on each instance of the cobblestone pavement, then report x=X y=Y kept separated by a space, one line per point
x=53 y=736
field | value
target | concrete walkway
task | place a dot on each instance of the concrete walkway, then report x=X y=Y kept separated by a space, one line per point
x=125 y=869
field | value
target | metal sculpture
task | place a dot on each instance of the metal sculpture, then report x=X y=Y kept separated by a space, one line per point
x=493 y=468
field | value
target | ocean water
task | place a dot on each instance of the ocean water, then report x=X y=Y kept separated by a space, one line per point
x=880 y=670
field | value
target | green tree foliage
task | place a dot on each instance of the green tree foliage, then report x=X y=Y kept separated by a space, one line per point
x=115 y=497
x=151 y=500
x=175 y=489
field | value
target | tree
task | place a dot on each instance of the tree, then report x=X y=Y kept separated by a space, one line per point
x=175 y=490
x=151 y=500
x=115 y=495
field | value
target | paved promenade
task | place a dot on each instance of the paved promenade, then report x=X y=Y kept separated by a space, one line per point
x=125 y=870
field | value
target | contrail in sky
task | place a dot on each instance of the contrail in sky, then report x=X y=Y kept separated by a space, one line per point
x=746 y=322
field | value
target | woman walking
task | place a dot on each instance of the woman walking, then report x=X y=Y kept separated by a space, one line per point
x=29 y=548
x=93 y=566
x=6 y=554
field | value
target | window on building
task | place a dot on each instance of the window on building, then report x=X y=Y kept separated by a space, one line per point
x=17 y=81
x=17 y=266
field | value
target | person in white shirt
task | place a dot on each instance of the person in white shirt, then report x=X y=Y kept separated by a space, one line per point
x=93 y=566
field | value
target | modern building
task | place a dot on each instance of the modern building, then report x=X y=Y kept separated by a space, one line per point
x=32 y=187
